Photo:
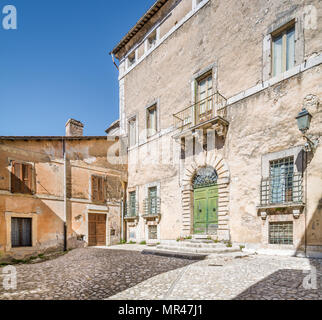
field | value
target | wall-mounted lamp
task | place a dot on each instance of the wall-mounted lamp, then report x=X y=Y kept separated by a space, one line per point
x=304 y=122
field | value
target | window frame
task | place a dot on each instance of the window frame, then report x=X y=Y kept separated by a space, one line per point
x=34 y=228
x=103 y=199
x=22 y=188
x=20 y=231
x=283 y=181
x=282 y=32
x=271 y=231
x=132 y=119
x=150 y=132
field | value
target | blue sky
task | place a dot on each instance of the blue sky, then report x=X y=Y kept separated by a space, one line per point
x=56 y=65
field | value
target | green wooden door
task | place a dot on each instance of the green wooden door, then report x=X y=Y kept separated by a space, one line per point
x=206 y=210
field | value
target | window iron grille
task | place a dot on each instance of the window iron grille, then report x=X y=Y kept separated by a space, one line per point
x=281 y=233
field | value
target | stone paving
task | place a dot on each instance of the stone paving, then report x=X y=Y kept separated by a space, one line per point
x=93 y=273
x=87 y=274
x=227 y=278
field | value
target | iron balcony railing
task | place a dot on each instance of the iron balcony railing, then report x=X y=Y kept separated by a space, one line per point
x=200 y=112
x=282 y=189
x=152 y=206
x=131 y=210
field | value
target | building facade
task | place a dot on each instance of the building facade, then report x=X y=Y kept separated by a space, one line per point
x=209 y=95
x=58 y=192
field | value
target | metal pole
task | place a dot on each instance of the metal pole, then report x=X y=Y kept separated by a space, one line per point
x=65 y=195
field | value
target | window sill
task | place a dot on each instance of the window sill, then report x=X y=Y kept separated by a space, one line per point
x=281 y=206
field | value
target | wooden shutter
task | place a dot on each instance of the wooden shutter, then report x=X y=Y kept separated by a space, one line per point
x=94 y=189
x=100 y=183
x=16 y=177
x=27 y=178
x=21 y=178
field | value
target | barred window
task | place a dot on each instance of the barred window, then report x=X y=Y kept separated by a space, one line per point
x=132 y=204
x=153 y=201
x=281 y=233
x=281 y=180
x=153 y=232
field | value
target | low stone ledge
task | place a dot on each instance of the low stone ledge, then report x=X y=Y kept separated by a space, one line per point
x=173 y=254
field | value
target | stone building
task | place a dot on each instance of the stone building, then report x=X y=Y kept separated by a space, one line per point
x=209 y=95
x=58 y=192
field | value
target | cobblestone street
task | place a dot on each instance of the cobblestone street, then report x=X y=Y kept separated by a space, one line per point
x=122 y=274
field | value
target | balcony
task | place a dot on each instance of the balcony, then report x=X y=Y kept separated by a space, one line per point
x=282 y=191
x=131 y=211
x=152 y=208
x=207 y=112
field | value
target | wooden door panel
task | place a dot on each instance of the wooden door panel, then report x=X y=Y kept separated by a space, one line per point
x=206 y=210
x=97 y=229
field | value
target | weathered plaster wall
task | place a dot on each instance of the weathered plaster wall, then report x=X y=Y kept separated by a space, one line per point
x=230 y=34
x=84 y=159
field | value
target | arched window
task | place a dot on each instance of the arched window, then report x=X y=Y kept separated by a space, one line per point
x=205 y=177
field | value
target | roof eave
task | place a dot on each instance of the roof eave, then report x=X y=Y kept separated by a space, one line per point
x=139 y=25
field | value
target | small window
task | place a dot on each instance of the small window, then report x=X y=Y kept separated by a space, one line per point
x=153 y=232
x=281 y=233
x=283 y=50
x=21 y=232
x=132 y=204
x=131 y=59
x=153 y=201
x=152 y=40
x=21 y=178
x=152 y=127
x=132 y=132
x=98 y=189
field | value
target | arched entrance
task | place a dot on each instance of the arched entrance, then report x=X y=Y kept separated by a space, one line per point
x=215 y=194
x=205 y=212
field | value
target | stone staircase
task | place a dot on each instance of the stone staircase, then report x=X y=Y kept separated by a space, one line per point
x=194 y=249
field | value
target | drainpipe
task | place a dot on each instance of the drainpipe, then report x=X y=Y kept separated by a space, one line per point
x=65 y=194
x=122 y=223
x=305 y=209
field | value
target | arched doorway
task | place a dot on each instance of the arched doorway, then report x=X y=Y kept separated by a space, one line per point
x=191 y=169
x=205 y=201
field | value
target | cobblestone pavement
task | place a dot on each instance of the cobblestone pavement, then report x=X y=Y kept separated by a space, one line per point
x=254 y=277
x=119 y=274
x=89 y=274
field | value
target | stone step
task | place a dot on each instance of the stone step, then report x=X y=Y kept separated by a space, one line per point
x=191 y=244
x=202 y=250
x=173 y=254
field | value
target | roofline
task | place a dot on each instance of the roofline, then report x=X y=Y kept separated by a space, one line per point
x=139 y=25
x=114 y=125
x=56 y=138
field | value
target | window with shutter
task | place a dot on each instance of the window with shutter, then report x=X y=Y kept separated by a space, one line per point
x=98 y=189
x=21 y=178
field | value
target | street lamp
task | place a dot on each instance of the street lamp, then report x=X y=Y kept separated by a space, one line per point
x=304 y=122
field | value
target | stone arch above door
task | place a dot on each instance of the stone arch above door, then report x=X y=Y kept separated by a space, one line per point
x=222 y=169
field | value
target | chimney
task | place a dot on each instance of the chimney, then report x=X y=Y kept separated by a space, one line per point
x=74 y=128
